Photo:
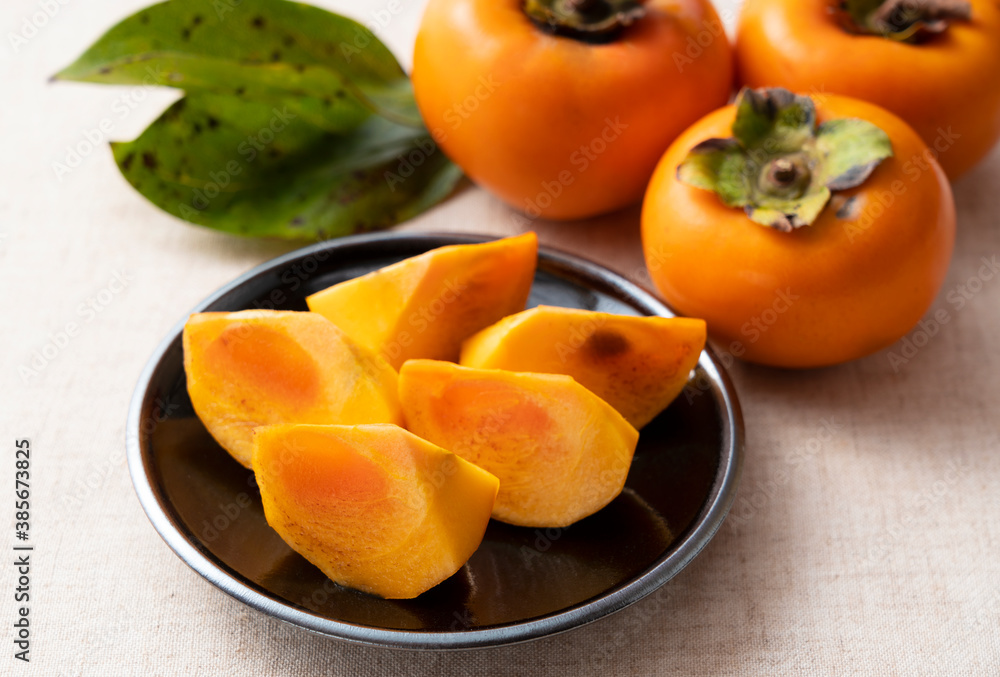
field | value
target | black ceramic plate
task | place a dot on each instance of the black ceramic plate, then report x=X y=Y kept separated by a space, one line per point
x=521 y=583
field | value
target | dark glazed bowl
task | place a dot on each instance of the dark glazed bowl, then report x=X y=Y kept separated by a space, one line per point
x=521 y=583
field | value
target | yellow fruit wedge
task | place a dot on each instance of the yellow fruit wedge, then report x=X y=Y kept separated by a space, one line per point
x=561 y=453
x=425 y=306
x=374 y=507
x=638 y=365
x=259 y=367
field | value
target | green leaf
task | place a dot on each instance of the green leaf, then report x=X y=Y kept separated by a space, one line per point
x=328 y=69
x=788 y=214
x=850 y=149
x=773 y=121
x=255 y=169
x=778 y=166
x=720 y=166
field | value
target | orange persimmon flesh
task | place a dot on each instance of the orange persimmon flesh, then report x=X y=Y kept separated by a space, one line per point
x=638 y=365
x=259 y=367
x=374 y=507
x=561 y=452
x=425 y=306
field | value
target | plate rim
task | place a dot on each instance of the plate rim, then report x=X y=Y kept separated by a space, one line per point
x=704 y=527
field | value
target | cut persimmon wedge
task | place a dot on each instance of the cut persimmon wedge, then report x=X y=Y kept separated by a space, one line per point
x=374 y=507
x=561 y=452
x=259 y=367
x=638 y=365
x=425 y=306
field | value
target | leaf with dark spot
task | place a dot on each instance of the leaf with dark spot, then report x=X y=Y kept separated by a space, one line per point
x=319 y=184
x=226 y=55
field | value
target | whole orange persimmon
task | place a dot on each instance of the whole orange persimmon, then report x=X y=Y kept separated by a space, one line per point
x=806 y=232
x=934 y=63
x=562 y=107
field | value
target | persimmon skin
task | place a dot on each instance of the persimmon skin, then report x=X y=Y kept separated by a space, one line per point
x=947 y=89
x=556 y=127
x=855 y=281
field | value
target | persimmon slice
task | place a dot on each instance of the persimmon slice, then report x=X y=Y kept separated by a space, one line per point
x=638 y=365
x=258 y=367
x=374 y=507
x=425 y=306
x=561 y=452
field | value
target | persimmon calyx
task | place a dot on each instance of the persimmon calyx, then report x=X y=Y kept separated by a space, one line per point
x=595 y=21
x=910 y=21
x=778 y=165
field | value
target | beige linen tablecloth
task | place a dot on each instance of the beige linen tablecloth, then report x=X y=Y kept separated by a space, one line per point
x=865 y=535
